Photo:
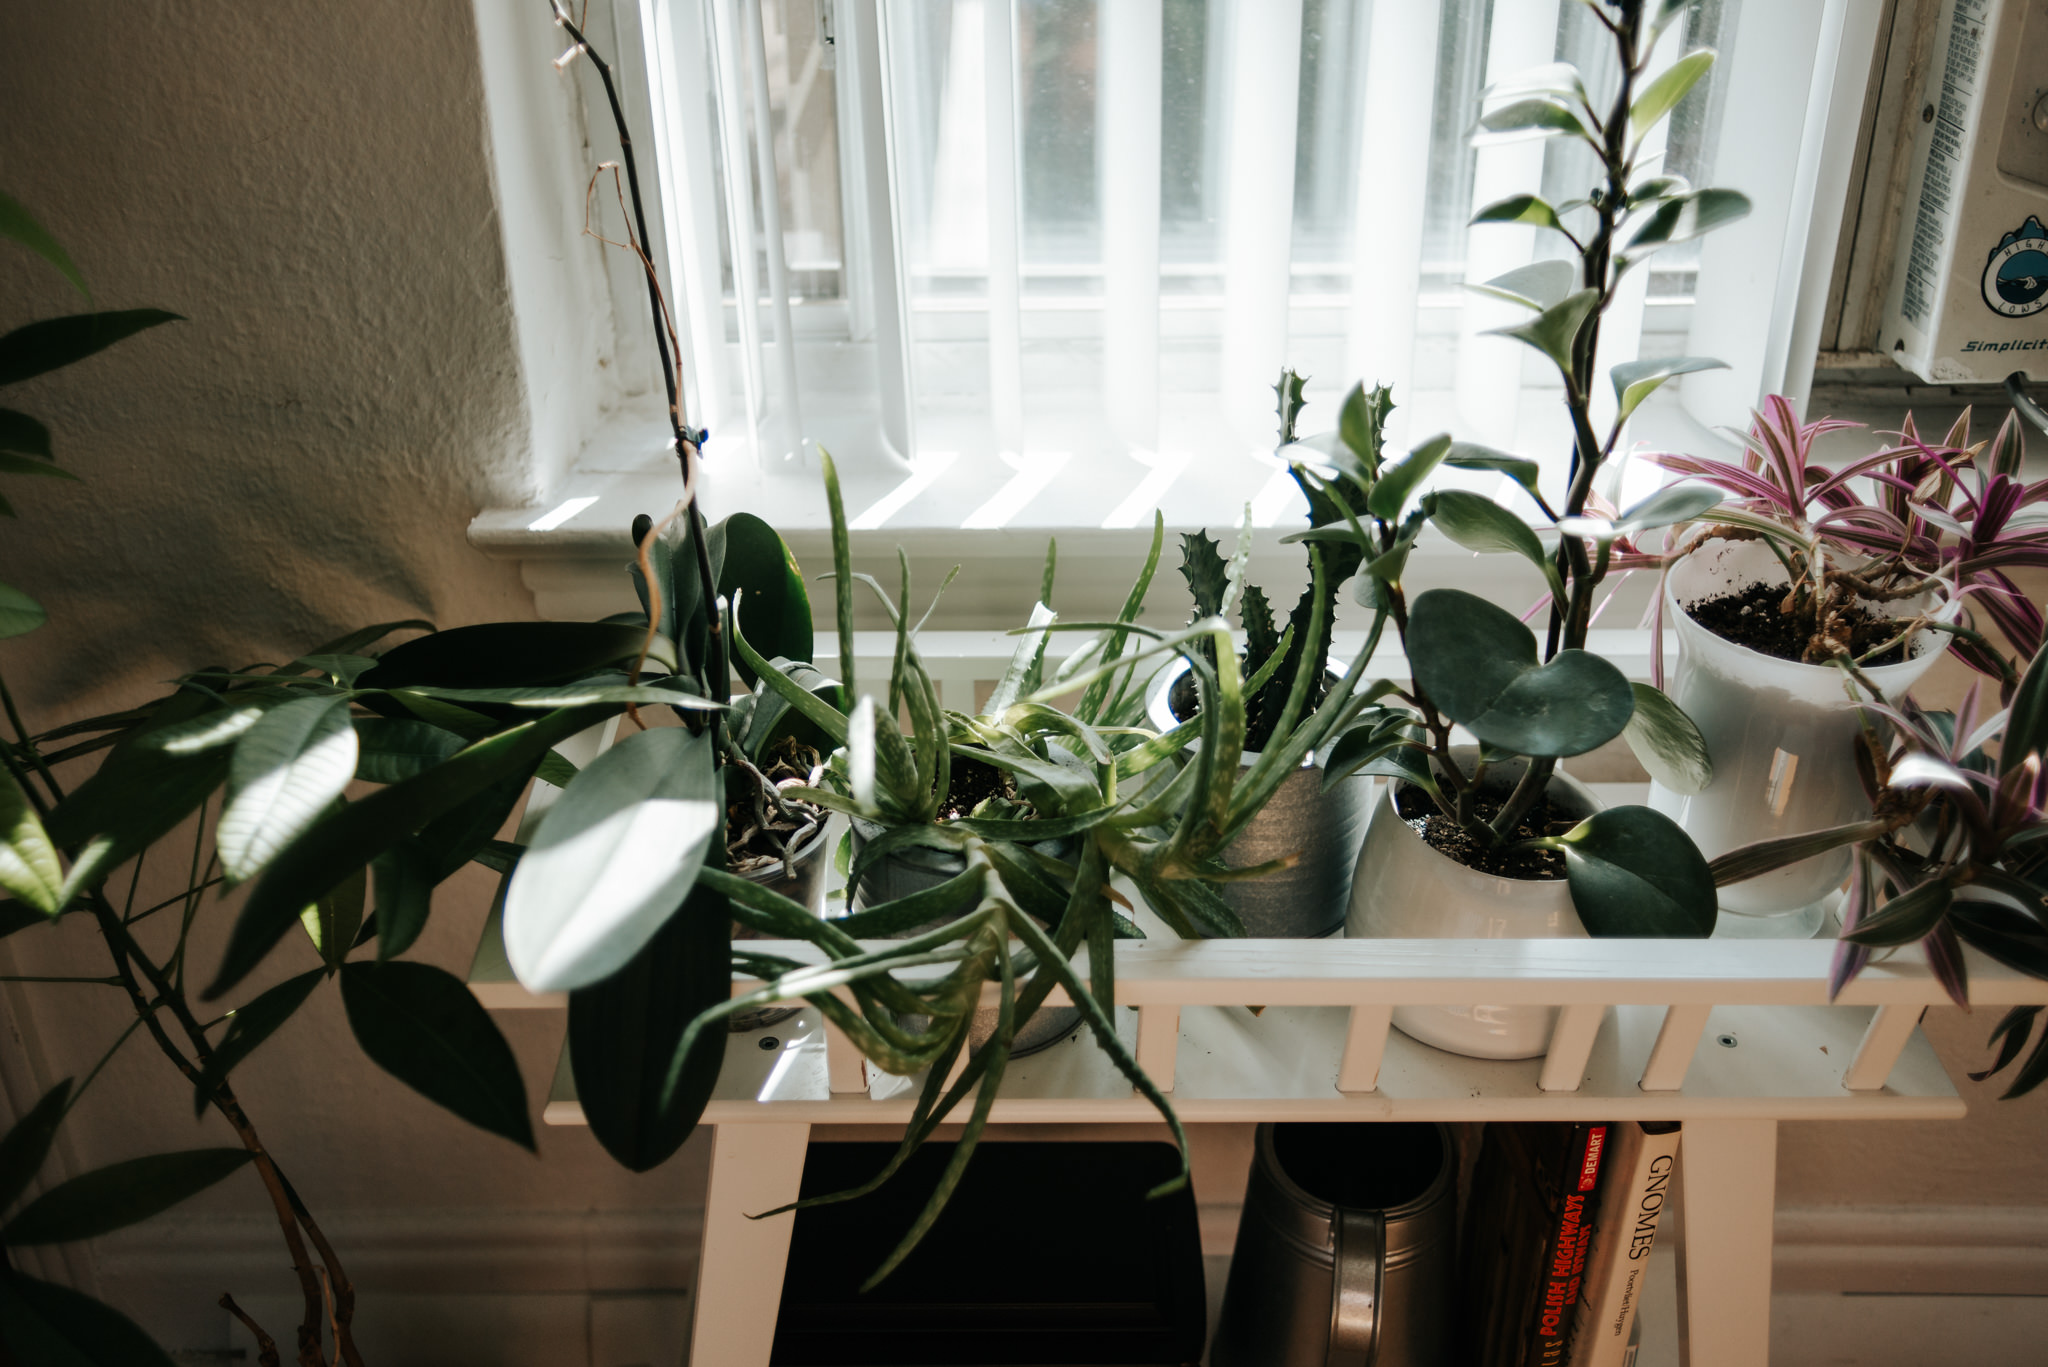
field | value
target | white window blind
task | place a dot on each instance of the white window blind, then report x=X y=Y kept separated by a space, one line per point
x=983 y=242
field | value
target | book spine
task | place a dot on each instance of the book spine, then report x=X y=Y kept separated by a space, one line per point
x=1645 y=1162
x=1564 y=1261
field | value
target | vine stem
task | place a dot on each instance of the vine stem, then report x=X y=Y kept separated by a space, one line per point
x=687 y=442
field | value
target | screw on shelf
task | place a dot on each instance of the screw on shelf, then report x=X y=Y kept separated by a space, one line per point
x=770 y=1042
x=1727 y=1041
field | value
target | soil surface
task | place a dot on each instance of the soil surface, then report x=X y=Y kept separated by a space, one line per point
x=1756 y=618
x=1448 y=838
x=759 y=832
x=974 y=783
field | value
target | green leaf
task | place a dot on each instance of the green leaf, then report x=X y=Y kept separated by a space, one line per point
x=288 y=768
x=1480 y=524
x=19 y=613
x=1662 y=95
x=612 y=859
x=511 y=654
x=351 y=837
x=139 y=793
x=11 y=464
x=57 y=342
x=1667 y=743
x=1635 y=873
x=424 y=1027
x=760 y=572
x=18 y=223
x=403 y=877
x=28 y=861
x=640 y=1092
x=1525 y=208
x=28 y=1143
x=119 y=1195
x=1554 y=331
x=53 y=1326
x=1478 y=664
x=1397 y=483
x=1468 y=455
x=1362 y=423
x=391 y=750
x=1906 y=918
x=1635 y=381
x=1539 y=285
x=1537 y=115
x=1684 y=217
x=249 y=1025
x=1670 y=505
x=333 y=922
x=24 y=435
x=2026 y=727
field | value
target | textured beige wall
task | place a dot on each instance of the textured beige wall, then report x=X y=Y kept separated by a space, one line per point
x=309 y=183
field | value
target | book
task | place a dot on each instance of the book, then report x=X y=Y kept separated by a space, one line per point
x=1528 y=1225
x=1641 y=1164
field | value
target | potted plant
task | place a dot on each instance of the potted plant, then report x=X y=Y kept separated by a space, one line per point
x=1474 y=840
x=1318 y=827
x=63 y=847
x=1951 y=850
x=1804 y=598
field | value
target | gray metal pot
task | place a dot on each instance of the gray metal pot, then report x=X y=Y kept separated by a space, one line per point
x=1326 y=829
x=913 y=869
x=1346 y=1249
x=805 y=884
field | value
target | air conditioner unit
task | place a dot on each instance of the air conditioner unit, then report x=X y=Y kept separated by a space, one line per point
x=1969 y=286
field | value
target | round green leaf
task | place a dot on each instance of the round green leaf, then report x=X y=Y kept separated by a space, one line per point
x=424 y=1027
x=1555 y=330
x=1465 y=651
x=250 y=1025
x=612 y=859
x=1575 y=703
x=507 y=654
x=1635 y=873
x=1480 y=524
x=1667 y=743
x=119 y=1195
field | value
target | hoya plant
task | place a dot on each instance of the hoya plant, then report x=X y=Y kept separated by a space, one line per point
x=1520 y=694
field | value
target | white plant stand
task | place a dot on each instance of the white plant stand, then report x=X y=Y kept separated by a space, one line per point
x=1729 y=1037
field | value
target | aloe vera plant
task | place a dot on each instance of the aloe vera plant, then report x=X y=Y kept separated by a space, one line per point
x=1474 y=664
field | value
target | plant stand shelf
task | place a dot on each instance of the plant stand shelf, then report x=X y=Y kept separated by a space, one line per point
x=1729 y=1037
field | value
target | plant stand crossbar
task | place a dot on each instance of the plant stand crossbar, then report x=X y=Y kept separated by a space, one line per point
x=1729 y=1037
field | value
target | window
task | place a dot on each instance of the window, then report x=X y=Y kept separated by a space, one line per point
x=971 y=244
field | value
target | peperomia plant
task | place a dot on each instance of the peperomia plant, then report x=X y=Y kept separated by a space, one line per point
x=1475 y=665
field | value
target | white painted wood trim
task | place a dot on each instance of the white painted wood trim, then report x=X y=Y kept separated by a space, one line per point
x=1889 y=1030
x=1729 y=1169
x=1365 y=1047
x=1678 y=1039
x=1159 y=1043
x=754 y=1168
x=1571 y=1044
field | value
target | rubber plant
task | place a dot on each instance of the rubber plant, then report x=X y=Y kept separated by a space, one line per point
x=1632 y=872
x=61 y=851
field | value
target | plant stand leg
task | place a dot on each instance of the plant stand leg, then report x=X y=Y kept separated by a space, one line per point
x=1730 y=1171
x=740 y=1264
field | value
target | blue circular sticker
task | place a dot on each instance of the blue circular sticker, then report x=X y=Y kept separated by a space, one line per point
x=2016 y=275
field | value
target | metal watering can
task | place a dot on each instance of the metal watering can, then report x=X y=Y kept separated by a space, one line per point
x=1346 y=1249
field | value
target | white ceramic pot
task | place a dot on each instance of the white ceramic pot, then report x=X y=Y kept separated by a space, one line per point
x=1322 y=828
x=1405 y=890
x=1781 y=735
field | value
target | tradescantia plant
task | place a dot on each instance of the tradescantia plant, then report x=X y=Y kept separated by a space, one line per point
x=1475 y=665
x=1951 y=516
